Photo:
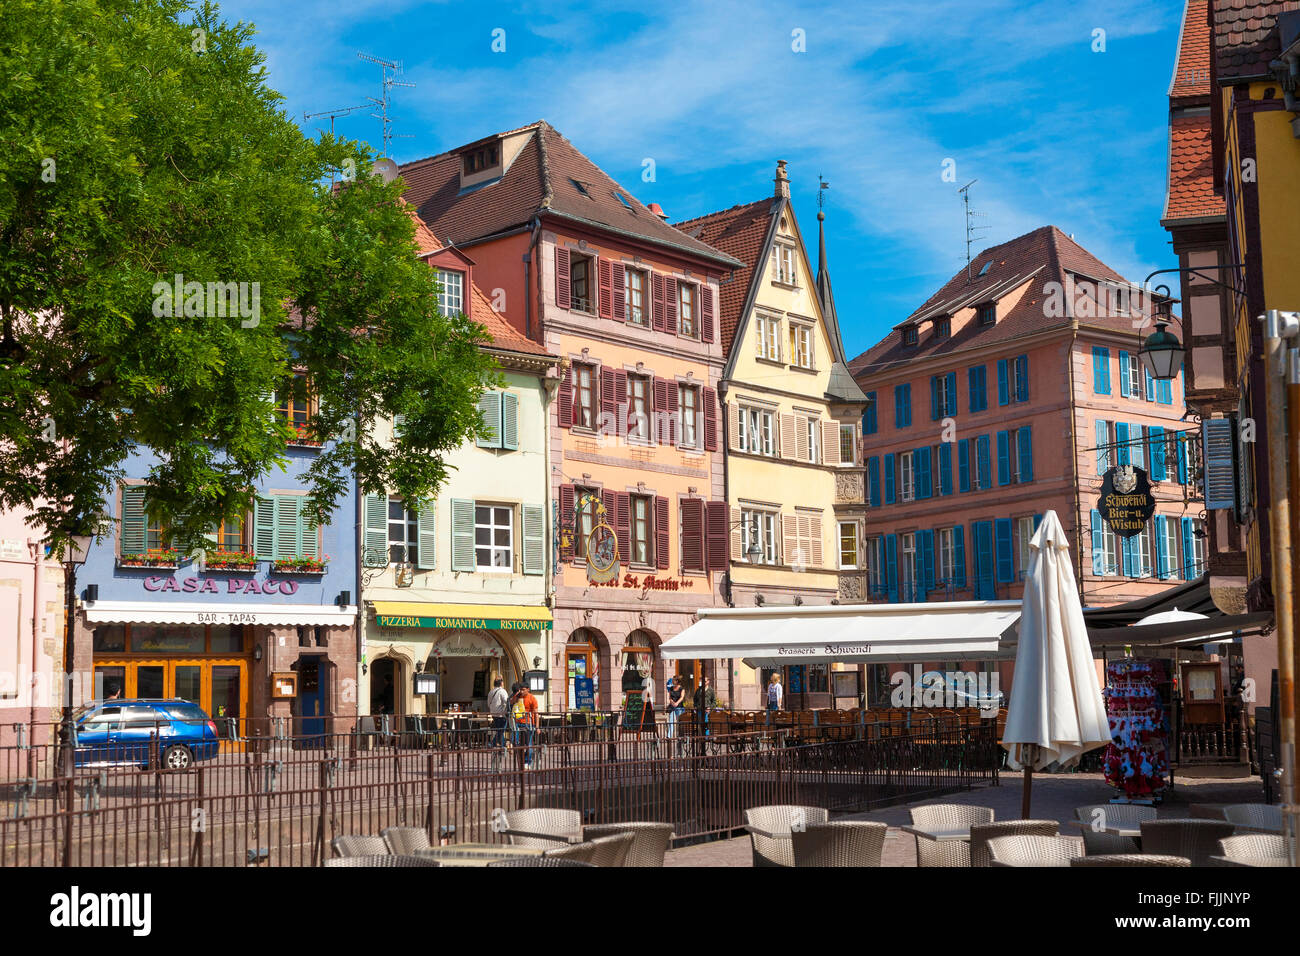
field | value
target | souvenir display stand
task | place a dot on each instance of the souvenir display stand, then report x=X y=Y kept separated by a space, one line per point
x=1137 y=758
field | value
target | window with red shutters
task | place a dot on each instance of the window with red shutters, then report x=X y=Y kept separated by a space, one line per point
x=566 y=521
x=565 y=407
x=659 y=307
x=661 y=532
x=586 y=398
x=618 y=280
x=562 y=298
x=710 y=402
x=692 y=534
x=671 y=298
x=706 y=312
x=606 y=273
x=662 y=431
x=717 y=535
x=613 y=393
x=623 y=524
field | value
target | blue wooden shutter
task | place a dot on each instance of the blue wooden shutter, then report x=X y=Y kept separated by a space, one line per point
x=1025 y=441
x=891 y=566
x=958 y=557
x=1157 y=441
x=925 y=544
x=950 y=395
x=1189 y=551
x=1164 y=393
x=509 y=421
x=889 y=478
x=983 y=560
x=1098 y=552
x=134 y=534
x=1100 y=371
x=1022 y=378
x=945 y=468
x=1125 y=386
x=1103 y=451
x=869 y=425
x=427 y=538
x=963 y=464
x=1151 y=386
x=873 y=481
x=1121 y=444
x=972 y=395
x=374 y=513
x=922 y=458
x=1005 y=559
x=264 y=532
x=1004 y=390
x=983 y=463
x=462 y=535
x=1219 y=469
x=534 y=539
x=1004 y=458
x=907 y=405
x=1162 y=549
x=934 y=398
x=489 y=410
x=1130 y=558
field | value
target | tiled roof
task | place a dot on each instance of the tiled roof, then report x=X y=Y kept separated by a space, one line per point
x=1192 y=65
x=1191 y=170
x=1042 y=256
x=541 y=178
x=739 y=232
x=1245 y=36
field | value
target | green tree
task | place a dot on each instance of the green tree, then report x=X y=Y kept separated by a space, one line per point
x=140 y=142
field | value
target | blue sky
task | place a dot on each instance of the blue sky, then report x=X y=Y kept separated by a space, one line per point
x=714 y=93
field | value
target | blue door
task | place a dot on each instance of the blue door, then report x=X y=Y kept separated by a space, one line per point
x=312 y=698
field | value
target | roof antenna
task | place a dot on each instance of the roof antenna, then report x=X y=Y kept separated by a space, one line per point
x=331 y=114
x=391 y=71
x=971 y=227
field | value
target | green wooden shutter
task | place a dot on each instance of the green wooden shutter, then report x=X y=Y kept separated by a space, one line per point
x=534 y=539
x=375 y=531
x=135 y=523
x=308 y=531
x=462 y=535
x=264 y=537
x=427 y=542
x=509 y=421
x=489 y=409
x=288 y=531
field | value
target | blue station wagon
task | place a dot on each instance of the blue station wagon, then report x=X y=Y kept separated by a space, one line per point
x=126 y=732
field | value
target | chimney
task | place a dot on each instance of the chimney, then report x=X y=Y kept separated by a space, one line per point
x=655 y=208
x=782 y=180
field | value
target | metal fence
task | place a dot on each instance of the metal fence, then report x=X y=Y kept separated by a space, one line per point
x=283 y=804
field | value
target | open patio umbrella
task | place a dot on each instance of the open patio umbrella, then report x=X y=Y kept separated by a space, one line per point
x=1056 y=712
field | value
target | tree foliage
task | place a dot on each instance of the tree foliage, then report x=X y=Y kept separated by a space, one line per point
x=140 y=143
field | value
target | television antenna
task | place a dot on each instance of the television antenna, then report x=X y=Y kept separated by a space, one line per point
x=391 y=72
x=972 y=227
x=331 y=114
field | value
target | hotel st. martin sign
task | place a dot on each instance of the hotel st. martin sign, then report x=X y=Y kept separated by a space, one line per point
x=1126 y=503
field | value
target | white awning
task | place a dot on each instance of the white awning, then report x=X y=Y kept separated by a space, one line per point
x=872 y=633
x=159 y=612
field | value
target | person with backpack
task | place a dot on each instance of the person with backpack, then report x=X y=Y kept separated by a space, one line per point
x=523 y=714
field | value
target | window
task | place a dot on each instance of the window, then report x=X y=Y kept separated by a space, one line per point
x=403 y=532
x=293 y=403
x=1142 y=553
x=769 y=338
x=814 y=428
x=756 y=431
x=580 y=187
x=451 y=292
x=494 y=538
x=902 y=406
x=984 y=268
x=800 y=345
x=634 y=285
x=480 y=159
x=977 y=379
x=869 y=422
x=231 y=535
x=906 y=477
x=848 y=445
x=580 y=297
x=1100 y=370
x=1175 y=566
x=942 y=327
x=945 y=558
x=1024 y=532
x=688 y=398
x=759 y=527
x=1196 y=562
x=157 y=535
x=642 y=546
x=1136 y=376
x=623 y=199
x=687 y=320
x=909 y=335
x=907 y=565
x=987 y=313
x=584 y=518
x=943 y=394
x=584 y=393
x=783 y=264
x=638 y=406
x=876 y=583
x=848 y=545
x=1109 y=550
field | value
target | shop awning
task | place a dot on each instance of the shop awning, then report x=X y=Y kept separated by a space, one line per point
x=871 y=633
x=158 y=612
x=463 y=617
x=1217 y=628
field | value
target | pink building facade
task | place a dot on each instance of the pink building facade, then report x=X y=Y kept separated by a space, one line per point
x=31 y=628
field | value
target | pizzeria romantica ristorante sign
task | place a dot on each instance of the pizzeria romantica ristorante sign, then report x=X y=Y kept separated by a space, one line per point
x=1126 y=502
x=462 y=623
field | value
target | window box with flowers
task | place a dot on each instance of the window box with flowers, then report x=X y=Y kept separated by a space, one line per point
x=300 y=565
x=302 y=437
x=229 y=561
x=162 y=558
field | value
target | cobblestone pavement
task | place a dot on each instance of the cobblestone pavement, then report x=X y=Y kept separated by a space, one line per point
x=1054 y=797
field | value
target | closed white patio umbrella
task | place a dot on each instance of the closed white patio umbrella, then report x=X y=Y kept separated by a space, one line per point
x=1056 y=711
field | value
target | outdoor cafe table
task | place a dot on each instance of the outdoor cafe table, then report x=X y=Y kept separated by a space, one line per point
x=939 y=833
x=477 y=854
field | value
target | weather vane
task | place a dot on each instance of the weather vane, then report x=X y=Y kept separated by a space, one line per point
x=821 y=191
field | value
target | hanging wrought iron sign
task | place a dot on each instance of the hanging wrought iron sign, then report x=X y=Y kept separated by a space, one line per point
x=1126 y=502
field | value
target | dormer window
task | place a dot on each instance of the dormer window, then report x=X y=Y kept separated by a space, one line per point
x=580 y=187
x=451 y=292
x=942 y=327
x=988 y=313
x=909 y=335
x=480 y=159
x=985 y=268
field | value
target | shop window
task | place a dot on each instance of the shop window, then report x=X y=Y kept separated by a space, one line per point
x=168 y=638
x=818 y=679
x=109 y=638
x=227 y=640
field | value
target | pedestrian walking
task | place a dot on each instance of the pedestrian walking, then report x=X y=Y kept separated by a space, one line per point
x=523 y=713
x=676 y=704
x=775 y=693
x=703 y=700
x=498 y=700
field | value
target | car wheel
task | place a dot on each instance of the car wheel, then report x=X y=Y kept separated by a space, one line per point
x=177 y=757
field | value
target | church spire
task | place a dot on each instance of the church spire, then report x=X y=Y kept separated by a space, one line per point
x=824 y=294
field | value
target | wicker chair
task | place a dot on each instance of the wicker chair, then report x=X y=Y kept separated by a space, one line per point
x=404 y=841
x=777 y=850
x=563 y=823
x=538 y=861
x=382 y=859
x=1258 y=816
x=981 y=833
x=348 y=846
x=842 y=843
x=1197 y=840
x=1253 y=849
x=648 y=848
x=1131 y=859
x=1101 y=843
x=946 y=852
x=608 y=851
x=1033 y=850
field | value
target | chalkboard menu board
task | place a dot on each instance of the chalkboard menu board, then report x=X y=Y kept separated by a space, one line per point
x=634 y=711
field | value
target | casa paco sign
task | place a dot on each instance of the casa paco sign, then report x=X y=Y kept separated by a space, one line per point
x=245 y=586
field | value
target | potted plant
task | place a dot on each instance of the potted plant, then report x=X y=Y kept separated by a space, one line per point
x=157 y=558
x=230 y=561
x=301 y=565
x=303 y=435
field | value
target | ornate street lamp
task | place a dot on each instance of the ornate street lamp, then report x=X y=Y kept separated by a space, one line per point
x=1162 y=352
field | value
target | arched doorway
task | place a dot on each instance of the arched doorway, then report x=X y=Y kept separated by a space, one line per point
x=469 y=662
x=387 y=685
x=583 y=653
x=641 y=651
